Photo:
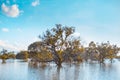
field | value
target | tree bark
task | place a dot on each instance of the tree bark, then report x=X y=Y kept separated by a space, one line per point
x=3 y=61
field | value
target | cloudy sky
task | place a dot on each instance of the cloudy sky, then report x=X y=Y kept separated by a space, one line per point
x=21 y=21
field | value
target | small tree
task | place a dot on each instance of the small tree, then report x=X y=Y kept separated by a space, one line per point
x=6 y=55
x=38 y=51
x=11 y=55
x=22 y=55
x=107 y=51
x=112 y=52
x=93 y=53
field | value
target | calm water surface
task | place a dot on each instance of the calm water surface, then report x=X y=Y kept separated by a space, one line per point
x=17 y=70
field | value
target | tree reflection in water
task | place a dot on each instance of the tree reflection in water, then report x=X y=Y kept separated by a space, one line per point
x=85 y=71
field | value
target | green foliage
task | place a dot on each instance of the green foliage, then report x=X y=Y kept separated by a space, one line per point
x=6 y=55
x=38 y=51
x=59 y=45
x=56 y=42
x=11 y=55
x=107 y=51
x=22 y=55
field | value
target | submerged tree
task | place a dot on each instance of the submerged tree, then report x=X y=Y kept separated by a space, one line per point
x=100 y=52
x=22 y=55
x=6 y=55
x=39 y=52
x=60 y=45
x=107 y=51
x=92 y=51
x=59 y=39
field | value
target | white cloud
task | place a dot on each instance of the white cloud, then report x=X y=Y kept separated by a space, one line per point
x=76 y=34
x=36 y=39
x=11 y=11
x=6 y=45
x=5 y=29
x=35 y=3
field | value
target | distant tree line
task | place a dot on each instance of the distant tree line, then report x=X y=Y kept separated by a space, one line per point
x=4 y=55
x=60 y=45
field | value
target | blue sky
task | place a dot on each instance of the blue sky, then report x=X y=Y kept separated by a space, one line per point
x=21 y=21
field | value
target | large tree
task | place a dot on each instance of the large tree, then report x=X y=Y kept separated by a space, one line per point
x=59 y=39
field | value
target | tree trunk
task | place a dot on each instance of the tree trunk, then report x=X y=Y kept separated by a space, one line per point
x=3 y=61
x=57 y=58
x=111 y=60
x=102 y=60
x=58 y=62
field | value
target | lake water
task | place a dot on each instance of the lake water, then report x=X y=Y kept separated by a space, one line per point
x=17 y=70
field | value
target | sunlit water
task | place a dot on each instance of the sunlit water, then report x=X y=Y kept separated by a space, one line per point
x=17 y=70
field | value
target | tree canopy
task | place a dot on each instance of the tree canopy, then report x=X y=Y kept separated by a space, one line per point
x=58 y=41
x=60 y=45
